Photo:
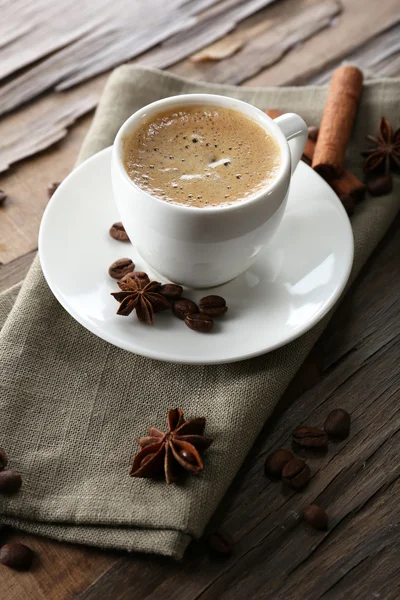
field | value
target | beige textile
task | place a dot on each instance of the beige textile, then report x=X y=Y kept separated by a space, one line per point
x=73 y=406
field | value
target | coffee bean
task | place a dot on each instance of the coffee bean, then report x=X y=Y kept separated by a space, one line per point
x=199 y=322
x=316 y=517
x=220 y=543
x=348 y=203
x=380 y=186
x=171 y=291
x=121 y=267
x=139 y=276
x=51 y=188
x=313 y=133
x=276 y=461
x=16 y=556
x=213 y=306
x=118 y=232
x=3 y=197
x=183 y=307
x=10 y=481
x=337 y=424
x=296 y=473
x=3 y=459
x=310 y=437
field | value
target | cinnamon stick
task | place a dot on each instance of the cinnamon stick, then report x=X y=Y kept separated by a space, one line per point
x=337 y=122
x=308 y=151
x=349 y=185
x=346 y=185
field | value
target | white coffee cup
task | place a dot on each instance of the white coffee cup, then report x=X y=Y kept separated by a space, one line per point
x=205 y=247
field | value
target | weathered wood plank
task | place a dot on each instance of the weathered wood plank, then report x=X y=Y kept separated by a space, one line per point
x=119 y=31
x=27 y=189
x=347 y=332
x=58 y=111
x=355 y=25
x=381 y=55
x=100 y=30
x=268 y=46
x=44 y=123
x=277 y=555
x=15 y=271
x=31 y=30
x=76 y=567
x=215 y=24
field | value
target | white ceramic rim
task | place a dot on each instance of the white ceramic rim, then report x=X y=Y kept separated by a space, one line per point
x=212 y=100
x=115 y=341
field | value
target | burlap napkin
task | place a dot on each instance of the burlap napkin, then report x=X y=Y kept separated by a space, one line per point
x=73 y=406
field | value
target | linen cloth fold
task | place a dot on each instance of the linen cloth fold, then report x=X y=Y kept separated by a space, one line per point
x=73 y=406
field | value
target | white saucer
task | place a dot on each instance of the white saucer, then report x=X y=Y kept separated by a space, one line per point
x=287 y=291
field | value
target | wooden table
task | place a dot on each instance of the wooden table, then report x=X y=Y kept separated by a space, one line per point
x=356 y=364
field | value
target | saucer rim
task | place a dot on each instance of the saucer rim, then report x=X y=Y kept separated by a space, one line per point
x=160 y=355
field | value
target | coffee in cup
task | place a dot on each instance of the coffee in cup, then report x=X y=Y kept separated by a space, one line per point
x=201 y=156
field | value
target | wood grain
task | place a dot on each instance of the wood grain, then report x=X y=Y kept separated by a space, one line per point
x=257 y=41
x=47 y=119
x=44 y=123
x=94 y=36
x=27 y=190
x=270 y=44
x=353 y=27
x=276 y=554
x=215 y=24
x=109 y=33
x=355 y=364
x=76 y=568
x=15 y=271
x=380 y=55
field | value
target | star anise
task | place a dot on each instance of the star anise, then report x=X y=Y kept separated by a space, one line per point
x=386 y=150
x=140 y=296
x=173 y=452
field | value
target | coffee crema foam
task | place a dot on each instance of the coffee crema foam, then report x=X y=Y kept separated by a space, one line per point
x=201 y=156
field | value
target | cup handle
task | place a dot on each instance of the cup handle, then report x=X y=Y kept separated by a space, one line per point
x=296 y=132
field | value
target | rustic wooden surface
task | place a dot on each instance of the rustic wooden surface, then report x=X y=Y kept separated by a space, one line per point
x=276 y=555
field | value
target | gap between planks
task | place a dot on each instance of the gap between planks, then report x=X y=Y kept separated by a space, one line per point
x=47 y=120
